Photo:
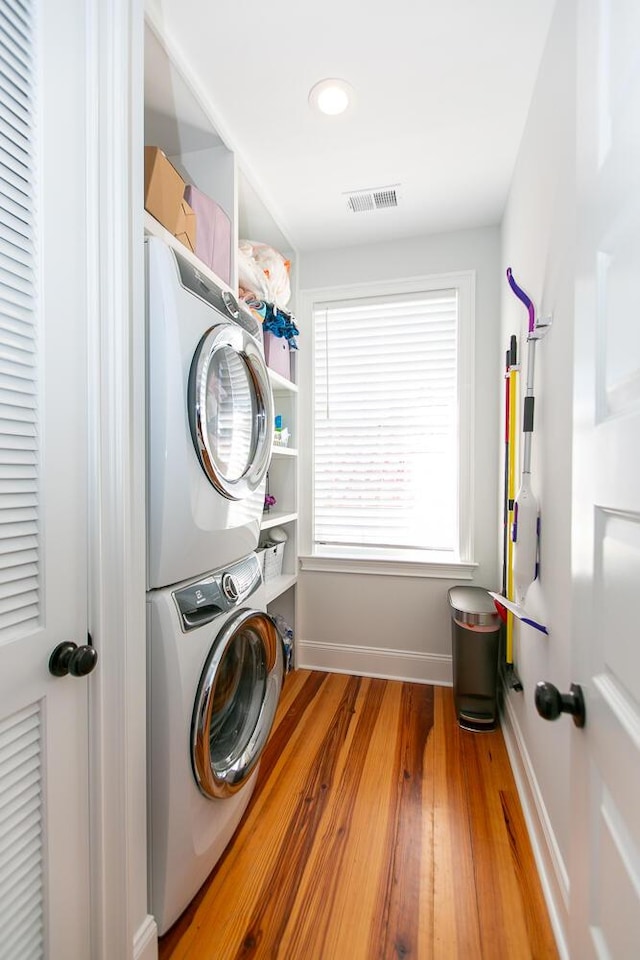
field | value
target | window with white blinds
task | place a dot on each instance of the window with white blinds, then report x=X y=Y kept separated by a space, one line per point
x=387 y=423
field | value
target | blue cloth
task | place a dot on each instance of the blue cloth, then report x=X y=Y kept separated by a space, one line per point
x=276 y=321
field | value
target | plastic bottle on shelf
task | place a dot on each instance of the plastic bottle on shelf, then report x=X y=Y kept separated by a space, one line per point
x=280 y=434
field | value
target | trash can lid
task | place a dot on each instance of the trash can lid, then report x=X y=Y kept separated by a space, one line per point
x=473 y=605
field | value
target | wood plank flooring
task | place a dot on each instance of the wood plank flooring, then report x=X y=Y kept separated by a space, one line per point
x=378 y=829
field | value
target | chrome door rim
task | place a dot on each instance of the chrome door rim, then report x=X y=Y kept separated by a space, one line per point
x=226 y=782
x=229 y=335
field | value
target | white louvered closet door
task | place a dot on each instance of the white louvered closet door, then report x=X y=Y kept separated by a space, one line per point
x=44 y=849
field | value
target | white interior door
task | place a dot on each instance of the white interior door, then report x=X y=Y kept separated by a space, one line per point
x=605 y=850
x=44 y=815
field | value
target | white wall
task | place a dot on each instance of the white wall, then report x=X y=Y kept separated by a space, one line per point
x=538 y=243
x=392 y=625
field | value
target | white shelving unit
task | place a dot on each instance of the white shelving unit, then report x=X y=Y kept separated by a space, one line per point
x=283 y=484
x=280 y=585
x=278 y=451
x=180 y=118
x=276 y=518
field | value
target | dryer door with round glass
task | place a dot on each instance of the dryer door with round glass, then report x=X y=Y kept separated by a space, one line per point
x=236 y=702
x=231 y=410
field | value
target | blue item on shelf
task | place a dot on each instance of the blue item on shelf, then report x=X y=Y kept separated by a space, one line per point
x=276 y=321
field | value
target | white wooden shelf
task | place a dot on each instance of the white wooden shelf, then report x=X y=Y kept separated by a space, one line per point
x=278 y=382
x=275 y=518
x=283 y=451
x=154 y=228
x=273 y=588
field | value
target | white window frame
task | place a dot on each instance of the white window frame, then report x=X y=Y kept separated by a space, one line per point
x=433 y=564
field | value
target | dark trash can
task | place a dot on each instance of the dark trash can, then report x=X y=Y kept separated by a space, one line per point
x=475 y=633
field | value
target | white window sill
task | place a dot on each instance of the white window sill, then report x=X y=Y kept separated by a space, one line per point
x=458 y=570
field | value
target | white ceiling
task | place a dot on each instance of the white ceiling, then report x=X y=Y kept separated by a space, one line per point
x=443 y=90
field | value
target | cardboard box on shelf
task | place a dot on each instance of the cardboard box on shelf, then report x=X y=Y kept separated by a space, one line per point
x=186 y=226
x=276 y=353
x=213 y=240
x=164 y=192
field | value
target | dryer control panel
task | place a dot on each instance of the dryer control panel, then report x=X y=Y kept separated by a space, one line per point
x=205 y=599
x=222 y=300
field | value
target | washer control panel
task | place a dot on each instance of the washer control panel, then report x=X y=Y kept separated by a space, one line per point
x=205 y=599
x=230 y=587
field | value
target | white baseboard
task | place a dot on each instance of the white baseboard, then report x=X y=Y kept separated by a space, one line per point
x=551 y=867
x=374 y=662
x=145 y=942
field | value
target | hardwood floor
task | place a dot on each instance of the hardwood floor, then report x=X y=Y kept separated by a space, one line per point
x=378 y=829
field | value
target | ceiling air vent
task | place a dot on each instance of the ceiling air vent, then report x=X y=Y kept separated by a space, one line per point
x=379 y=199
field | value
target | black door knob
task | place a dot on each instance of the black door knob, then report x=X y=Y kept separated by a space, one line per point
x=68 y=657
x=550 y=703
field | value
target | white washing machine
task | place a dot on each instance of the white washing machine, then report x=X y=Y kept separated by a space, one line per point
x=209 y=422
x=215 y=672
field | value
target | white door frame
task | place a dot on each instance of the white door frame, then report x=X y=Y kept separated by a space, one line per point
x=120 y=924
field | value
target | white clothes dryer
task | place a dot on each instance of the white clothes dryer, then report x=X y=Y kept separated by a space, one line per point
x=209 y=422
x=215 y=672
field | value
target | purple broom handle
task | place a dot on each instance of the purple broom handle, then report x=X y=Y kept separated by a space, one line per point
x=521 y=295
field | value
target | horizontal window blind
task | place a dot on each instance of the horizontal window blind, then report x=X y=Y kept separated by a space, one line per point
x=386 y=423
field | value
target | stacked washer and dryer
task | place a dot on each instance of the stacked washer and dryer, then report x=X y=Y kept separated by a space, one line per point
x=215 y=658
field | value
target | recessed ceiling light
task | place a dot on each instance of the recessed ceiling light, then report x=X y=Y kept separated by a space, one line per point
x=331 y=96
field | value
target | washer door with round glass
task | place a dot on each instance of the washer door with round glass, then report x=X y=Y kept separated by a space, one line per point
x=236 y=703
x=231 y=410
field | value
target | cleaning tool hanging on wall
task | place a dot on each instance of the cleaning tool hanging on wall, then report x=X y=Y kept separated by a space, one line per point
x=510 y=482
x=511 y=392
x=505 y=514
x=510 y=607
x=526 y=520
x=521 y=546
